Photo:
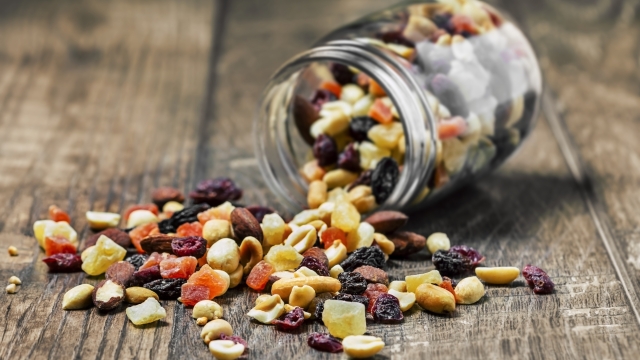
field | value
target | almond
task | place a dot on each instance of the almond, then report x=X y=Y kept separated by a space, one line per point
x=108 y=294
x=387 y=221
x=121 y=271
x=373 y=275
x=163 y=195
x=157 y=243
x=407 y=243
x=244 y=224
x=118 y=236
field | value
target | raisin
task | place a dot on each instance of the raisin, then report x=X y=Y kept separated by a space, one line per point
x=145 y=276
x=472 y=254
x=353 y=298
x=259 y=211
x=320 y=97
x=386 y=309
x=315 y=265
x=349 y=159
x=451 y=263
x=291 y=320
x=538 y=280
x=352 y=283
x=189 y=246
x=63 y=263
x=384 y=178
x=372 y=293
x=341 y=73
x=137 y=260
x=325 y=150
x=371 y=256
x=167 y=289
x=186 y=215
x=215 y=191
x=363 y=179
x=319 y=310
x=236 y=340
x=324 y=342
x=359 y=126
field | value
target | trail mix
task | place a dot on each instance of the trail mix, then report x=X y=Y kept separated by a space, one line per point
x=324 y=265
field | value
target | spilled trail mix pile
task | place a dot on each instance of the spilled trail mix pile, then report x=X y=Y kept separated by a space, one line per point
x=325 y=264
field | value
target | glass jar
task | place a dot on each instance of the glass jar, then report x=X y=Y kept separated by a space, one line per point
x=418 y=100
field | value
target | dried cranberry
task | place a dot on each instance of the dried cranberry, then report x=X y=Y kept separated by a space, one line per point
x=325 y=150
x=324 y=342
x=216 y=191
x=353 y=298
x=189 y=246
x=315 y=265
x=451 y=263
x=186 y=215
x=145 y=276
x=349 y=159
x=236 y=340
x=386 y=309
x=259 y=211
x=372 y=293
x=472 y=254
x=291 y=320
x=363 y=179
x=371 y=256
x=538 y=280
x=137 y=260
x=167 y=289
x=352 y=283
x=359 y=126
x=341 y=73
x=63 y=263
x=384 y=179
x=320 y=97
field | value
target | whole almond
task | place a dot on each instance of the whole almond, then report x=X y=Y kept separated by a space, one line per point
x=304 y=115
x=317 y=253
x=163 y=195
x=137 y=295
x=407 y=243
x=118 y=236
x=108 y=294
x=245 y=224
x=373 y=274
x=387 y=221
x=157 y=243
x=121 y=271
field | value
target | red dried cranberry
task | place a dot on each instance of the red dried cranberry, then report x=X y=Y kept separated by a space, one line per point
x=341 y=73
x=216 y=191
x=363 y=179
x=373 y=292
x=291 y=320
x=145 y=276
x=63 y=263
x=386 y=309
x=384 y=179
x=352 y=283
x=189 y=246
x=360 y=126
x=320 y=97
x=349 y=159
x=538 y=280
x=236 y=340
x=472 y=254
x=324 y=342
x=315 y=265
x=325 y=150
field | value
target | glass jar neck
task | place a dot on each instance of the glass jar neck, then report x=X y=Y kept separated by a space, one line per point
x=273 y=141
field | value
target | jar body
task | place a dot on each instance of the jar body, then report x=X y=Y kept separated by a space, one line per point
x=447 y=90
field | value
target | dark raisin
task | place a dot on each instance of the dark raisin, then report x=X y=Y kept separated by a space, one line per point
x=371 y=256
x=538 y=280
x=315 y=265
x=236 y=340
x=259 y=211
x=472 y=254
x=363 y=179
x=341 y=73
x=63 y=263
x=325 y=150
x=137 y=260
x=167 y=289
x=320 y=97
x=319 y=310
x=186 y=215
x=451 y=263
x=349 y=159
x=145 y=276
x=216 y=191
x=384 y=179
x=352 y=283
x=386 y=309
x=291 y=320
x=324 y=342
x=359 y=126
x=353 y=298
x=189 y=246
x=372 y=293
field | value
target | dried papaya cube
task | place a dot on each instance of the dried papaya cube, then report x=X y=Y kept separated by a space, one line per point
x=206 y=276
x=221 y=212
x=178 y=268
x=142 y=231
x=58 y=245
x=189 y=229
x=155 y=259
x=57 y=214
x=191 y=294
x=259 y=275
x=330 y=235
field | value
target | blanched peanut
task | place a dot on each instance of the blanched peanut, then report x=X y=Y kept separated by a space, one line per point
x=317 y=194
x=370 y=155
x=302 y=238
x=339 y=178
x=320 y=284
x=304 y=272
x=311 y=171
x=435 y=299
x=216 y=229
x=387 y=246
x=336 y=253
x=207 y=309
x=362 y=346
x=141 y=217
x=11 y=289
x=361 y=197
x=172 y=206
x=250 y=253
x=469 y=290
x=406 y=299
x=351 y=93
x=335 y=271
x=214 y=328
x=102 y=220
x=283 y=274
x=224 y=255
x=498 y=275
x=438 y=241
x=330 y=125
x=226 y=349
x=306 y=216
x=235 y=278
x=319 y=225
x=15 y=280
x=268 y=309
x=78 y=297
x=400 y=286
x=362 y=237
x=301 y=296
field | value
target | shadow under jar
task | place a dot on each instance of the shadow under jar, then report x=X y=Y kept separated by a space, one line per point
x=414 y=101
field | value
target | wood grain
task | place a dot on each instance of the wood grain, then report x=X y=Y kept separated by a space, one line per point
x=100 y=102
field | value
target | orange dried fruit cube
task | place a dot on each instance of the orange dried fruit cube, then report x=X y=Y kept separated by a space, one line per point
x=331 y=86
x=150 y=207
x=178 y=268
x=191 y=294
x=330 y=235
x=380 y=112
x=221 y=212
x=259 y=275
x=189 y=229
x=142 y=231
x=450 y=128
x=57 y=214
x=206 y=276
x=155 y=259
x=58 y=245
x=375 y=89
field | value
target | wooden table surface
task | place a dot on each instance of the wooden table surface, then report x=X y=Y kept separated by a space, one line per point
x=101 y=101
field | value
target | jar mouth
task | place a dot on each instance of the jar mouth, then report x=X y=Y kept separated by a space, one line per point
x=275 y=145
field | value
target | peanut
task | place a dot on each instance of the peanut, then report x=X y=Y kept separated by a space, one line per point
x=225 y=349
x=336 y=253
x=339 y=178
x=216 y=229
x=497 y=275
x=12 y=250
x=301 y=296
x=317 y=194
x=312 y=171
x=469 y=290
x=302 y=238
x=362 y=346
x=214 y=328
x=78 y=297
x=141 y=217
x=361 y=197
x=387 y=246
x=320 y=284
x=438 y=241
x=400 y=286
x=207 y=309
x=406 y=299
x=267 y=310
x=335 y=271
x=15 y=280
x=361 y=237
x=101 y=220
x=201 y=321
x=250 y=253
x=172 y=206
x=304 y=272
x=224 y=255
x=11 y=289
x=435 y=299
